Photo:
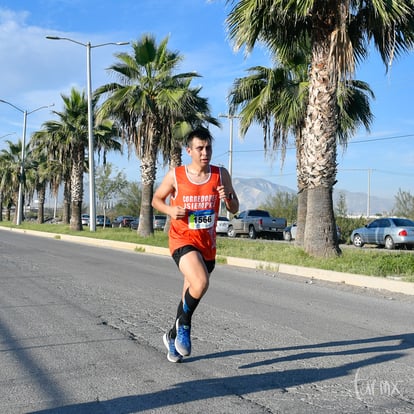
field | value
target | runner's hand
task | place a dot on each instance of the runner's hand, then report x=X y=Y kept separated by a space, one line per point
x=177 y=212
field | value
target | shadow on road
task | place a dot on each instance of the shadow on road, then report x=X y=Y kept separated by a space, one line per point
x=190 y=391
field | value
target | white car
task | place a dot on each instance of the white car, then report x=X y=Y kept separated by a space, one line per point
x=289 y=233
x=222 y=225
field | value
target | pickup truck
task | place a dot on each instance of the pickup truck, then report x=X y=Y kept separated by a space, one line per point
x=256 y=223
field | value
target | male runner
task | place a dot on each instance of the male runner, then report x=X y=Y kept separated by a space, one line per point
x=195 y=192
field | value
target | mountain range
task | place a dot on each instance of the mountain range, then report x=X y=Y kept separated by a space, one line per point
x=252 y=192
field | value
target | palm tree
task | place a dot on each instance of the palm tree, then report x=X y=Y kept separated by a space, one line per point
x=146 y=102
x=7 y=177
x=339 y=33
x=71 y=133
x=11 y=162
x=51 y=140
x=66 y=140
x=46 y=172
x=277 y=97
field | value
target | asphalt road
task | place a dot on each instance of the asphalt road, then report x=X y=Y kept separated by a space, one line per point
x=81 y=332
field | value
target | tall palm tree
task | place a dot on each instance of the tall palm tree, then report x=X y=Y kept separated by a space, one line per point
x=51 y=140
x=47 y=171
x=276 y=98
x=65 y=141
x=11 y=162
x=340 y=33
x=148 y=96
x=71 y=131
x=5 y=187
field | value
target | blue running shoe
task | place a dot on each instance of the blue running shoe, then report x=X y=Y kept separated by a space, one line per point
x=183 y=339
x=172 y=355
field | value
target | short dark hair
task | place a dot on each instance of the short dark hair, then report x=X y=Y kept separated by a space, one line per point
x=200 y=133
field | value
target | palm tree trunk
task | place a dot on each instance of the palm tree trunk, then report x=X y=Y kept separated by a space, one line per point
x=8 y=213
x=77 y=189
x=41 y=193
x=148 y=169
x=302 y=191
x=148 y=174
x=301 y=216
x=320 y=152
x=66 y=201
x=325 y=243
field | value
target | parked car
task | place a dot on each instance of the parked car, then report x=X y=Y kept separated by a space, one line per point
x=256 y=223
x=222 y=225
x=389 y=232
x=159 y=221
x=289 y=233
x=134 y=224
x=85 y=219
x=122 y=221
x=101 y=219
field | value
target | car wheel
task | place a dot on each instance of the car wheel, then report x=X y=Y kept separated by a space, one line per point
x=252 y=232
x=231 y=232
x=287 y=236
x=358 y=242
x=389 y=243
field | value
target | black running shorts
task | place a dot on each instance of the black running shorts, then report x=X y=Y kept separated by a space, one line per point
x=181 y=251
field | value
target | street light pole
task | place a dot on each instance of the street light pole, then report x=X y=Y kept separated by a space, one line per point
x=21 y=181
x=230 y=117
x=23 y=156
x=91 y=143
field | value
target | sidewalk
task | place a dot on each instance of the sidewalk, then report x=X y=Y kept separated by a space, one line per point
x=371 y=282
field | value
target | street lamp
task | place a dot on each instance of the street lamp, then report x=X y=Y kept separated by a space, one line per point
x=92 y=198
x=22 y=161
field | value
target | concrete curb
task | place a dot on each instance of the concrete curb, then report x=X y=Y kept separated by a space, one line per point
x=326 y=275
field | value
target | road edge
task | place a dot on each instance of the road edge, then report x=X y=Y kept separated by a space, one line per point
x=372 y=282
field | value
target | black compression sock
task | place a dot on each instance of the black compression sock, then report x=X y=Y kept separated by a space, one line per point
x=189 y=306
x=173 y=331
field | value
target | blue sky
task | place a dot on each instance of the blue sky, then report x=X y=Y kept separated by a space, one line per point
x=35 y=72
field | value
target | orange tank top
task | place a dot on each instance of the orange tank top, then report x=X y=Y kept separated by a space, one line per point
x=201 y=200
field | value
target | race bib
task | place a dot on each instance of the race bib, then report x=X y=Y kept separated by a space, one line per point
x=201 y=219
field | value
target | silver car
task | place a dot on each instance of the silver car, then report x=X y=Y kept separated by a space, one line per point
x=159 y=221
x=389 y=232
